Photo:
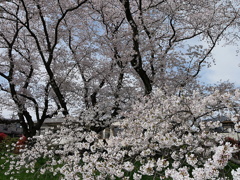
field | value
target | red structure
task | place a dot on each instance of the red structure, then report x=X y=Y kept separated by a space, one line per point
x=2 y=136
x=20 y=144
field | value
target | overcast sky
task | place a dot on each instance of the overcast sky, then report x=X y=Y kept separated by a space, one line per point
x=227 y=66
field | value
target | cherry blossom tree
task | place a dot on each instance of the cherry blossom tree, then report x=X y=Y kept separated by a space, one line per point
x=28 y=50
x=102 y=56
x=131 y=61
x=165 y=136
x=156 y=37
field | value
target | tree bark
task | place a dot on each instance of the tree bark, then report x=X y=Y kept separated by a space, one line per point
x=136 y=61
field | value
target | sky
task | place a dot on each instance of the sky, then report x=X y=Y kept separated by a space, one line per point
x=227 y=66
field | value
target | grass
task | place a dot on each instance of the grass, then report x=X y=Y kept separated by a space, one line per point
x=22 y=175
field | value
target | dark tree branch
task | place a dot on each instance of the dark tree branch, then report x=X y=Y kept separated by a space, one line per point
x=214 y=42
x=136 y=61
x=149 y=37
x=94 y=94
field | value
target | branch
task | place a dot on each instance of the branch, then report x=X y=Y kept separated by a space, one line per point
x=44 y=28
x=174 y=33
x=4 y=76
x=34 y=101
x=136 y=61
x=213 y=46
x=94 y=94
x=155 y=5
x=60 y=20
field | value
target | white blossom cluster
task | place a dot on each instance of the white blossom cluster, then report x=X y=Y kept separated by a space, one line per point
x=163 y=137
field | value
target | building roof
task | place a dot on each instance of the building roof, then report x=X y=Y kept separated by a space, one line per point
x=54 y=120
x=13 y=128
